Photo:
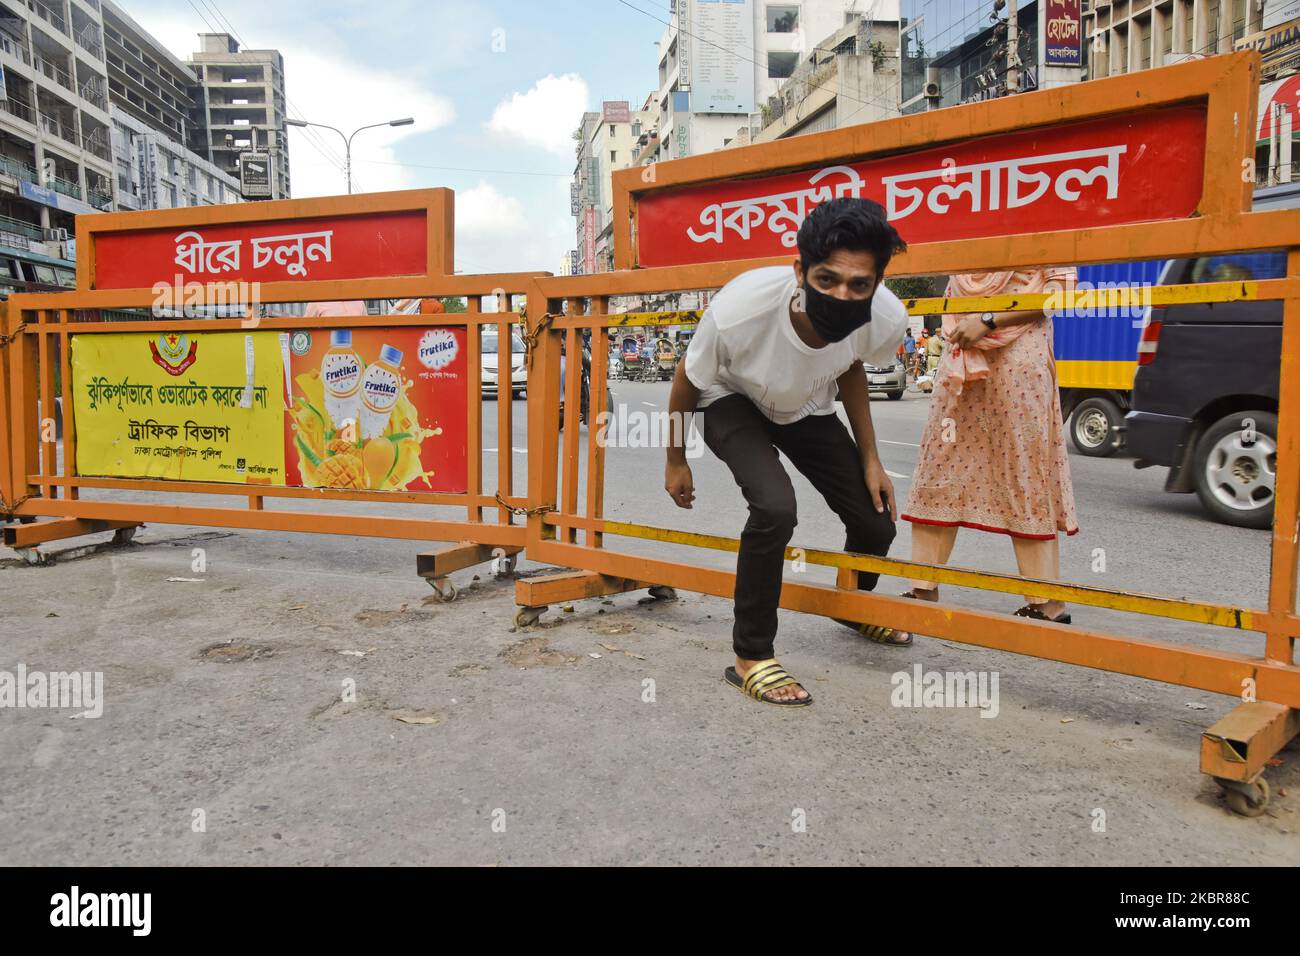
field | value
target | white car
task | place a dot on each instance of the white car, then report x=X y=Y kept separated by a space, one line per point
x=491 y=364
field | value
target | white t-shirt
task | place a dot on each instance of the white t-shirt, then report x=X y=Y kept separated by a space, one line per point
x=746 y=344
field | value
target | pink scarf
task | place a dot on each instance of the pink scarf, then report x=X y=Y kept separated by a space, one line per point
x=970 y=365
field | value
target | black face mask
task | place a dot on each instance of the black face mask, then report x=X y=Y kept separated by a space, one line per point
x=835 y=319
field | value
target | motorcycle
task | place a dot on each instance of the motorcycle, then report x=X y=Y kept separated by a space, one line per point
x=584 y=390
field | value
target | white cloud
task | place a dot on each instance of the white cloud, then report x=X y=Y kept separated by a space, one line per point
x=485 y=213
x=332 y=90
x=546 y=115
x=496 y=232
x=330 y=87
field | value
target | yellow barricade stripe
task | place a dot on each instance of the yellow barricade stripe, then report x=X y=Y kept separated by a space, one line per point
x=1193 y=611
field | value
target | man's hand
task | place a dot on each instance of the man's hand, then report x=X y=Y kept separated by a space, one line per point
x=969 y=330
x=679 y=484
x=880 y=486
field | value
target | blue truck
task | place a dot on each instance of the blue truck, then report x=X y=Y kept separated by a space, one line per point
x=1096 y=346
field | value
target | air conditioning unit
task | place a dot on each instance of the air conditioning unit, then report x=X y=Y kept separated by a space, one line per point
x=933 y=90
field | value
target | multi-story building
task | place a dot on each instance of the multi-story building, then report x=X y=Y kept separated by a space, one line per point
x=607 y=141
x=153 y=104
x=240 y=107
x=155 y=171
x=721 y=62
x=847 y=78
x=1129 y=35
x=55 y=159
x=951 y=53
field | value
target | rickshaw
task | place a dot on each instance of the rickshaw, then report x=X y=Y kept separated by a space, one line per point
x=665 y=359
x=630 y=361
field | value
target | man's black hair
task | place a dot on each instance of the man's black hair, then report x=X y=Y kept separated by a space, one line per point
x=858 y=225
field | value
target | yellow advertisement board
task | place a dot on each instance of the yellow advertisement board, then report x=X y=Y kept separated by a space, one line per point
x=193 y=407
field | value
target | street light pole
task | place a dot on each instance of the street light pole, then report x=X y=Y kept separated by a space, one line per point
x=1013 y=48
x=347 y=140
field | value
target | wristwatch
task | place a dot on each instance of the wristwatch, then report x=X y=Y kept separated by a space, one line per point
x=987 y=319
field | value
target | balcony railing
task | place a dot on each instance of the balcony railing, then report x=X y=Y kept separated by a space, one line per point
x=99 y=200
x=65 y=186
x=93 y=93
x=56 y=73
x=30 y=230
x=62 y=130
x=18 y=169
x=97 y=145
x=89 y=42
x=21 y=110
x=49 y=15
x=15 y=47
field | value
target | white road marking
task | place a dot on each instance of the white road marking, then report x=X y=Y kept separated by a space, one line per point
x=894 y=474
x=909 y=444
x=651 y=404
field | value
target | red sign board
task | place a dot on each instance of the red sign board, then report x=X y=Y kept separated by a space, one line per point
x=1120 y=169
x=1063 y=44
x=1285 y=93
x=589 y=240
x=372 y=245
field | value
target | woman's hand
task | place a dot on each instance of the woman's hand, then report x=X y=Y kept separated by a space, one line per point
x=970 y=329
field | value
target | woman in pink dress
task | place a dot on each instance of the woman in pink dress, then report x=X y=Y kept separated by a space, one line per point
x=993 y=451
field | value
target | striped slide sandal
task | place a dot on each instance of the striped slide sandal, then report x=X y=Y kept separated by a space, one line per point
x=766 y=677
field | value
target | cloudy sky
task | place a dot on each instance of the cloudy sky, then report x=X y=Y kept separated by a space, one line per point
x=496 y=90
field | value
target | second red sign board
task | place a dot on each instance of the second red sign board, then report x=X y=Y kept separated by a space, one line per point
x=1135 y=168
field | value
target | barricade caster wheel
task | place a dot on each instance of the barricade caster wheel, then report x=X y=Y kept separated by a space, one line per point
x=663 y=592
x=1245 y=799
x=443 y=587
x=124 y=535
x=505 y=566
x=528 y=616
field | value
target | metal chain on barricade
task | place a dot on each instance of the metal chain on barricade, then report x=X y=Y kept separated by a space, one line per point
x=6 y=339
x=534 y=335
x=7 y=510
x=523 y=512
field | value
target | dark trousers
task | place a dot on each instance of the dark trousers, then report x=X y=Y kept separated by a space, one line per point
x=825 y=453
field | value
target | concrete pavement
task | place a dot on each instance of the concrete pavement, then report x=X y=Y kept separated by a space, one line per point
x=307 y=701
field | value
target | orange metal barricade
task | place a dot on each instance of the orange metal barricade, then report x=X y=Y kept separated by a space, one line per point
x=37 y=330
x=568 y=527
x=575 y=533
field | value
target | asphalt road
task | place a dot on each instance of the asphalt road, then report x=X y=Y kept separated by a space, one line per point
x=605 y=733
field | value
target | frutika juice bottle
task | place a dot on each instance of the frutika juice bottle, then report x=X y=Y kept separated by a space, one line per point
x=340 y=371
x=380 y=388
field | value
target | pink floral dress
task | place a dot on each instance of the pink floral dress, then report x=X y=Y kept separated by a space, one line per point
x=993 y=457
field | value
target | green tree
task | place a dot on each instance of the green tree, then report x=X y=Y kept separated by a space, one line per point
x=916 y=287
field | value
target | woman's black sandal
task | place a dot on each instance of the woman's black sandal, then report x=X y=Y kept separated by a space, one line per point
x=1031 y=611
